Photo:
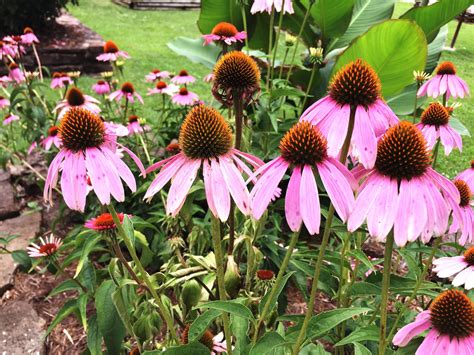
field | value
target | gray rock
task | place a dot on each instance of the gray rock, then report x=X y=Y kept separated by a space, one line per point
x=8 y=205
x=21 y=329
x=26 y=227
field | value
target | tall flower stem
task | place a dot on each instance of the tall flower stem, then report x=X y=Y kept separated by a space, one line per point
x=420 y=280
x=300 y=33
x=125 y=110
x=270 y=42
x=277 y=40
x=219 y=256
x=324 y=242
x=283 y=62
x=244 y=20
x=144 y=275
x=281 y=273
x=387 y=261
x=38 y=61
x=310 y=83
x=416 y=103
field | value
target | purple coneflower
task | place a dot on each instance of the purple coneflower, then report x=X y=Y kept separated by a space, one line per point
x=101 y=87
x=434 y=125
x=28 y=37
x=184 y=97
x=112 y=53
x=224 y=32
x=76 y=99
x=450 y=325
x=468 y=176
x=356 y=85
x=444 y=82
x=157 y=74
x=162 y=88
x=128 y=92
x=183 y=78
x=462 y=266
x=268 y=5
x=60 y=80
x=15 y=73
x=134 y=126
x=4 y=102
x=52 y=138
x=208 y=78
x=10 y=118
x=304 y=149
x=103 y=222
x=88 y=150
x=47 y=247
x=205 y=140
x=7 y=50
x=402 y=190
x=463 y=215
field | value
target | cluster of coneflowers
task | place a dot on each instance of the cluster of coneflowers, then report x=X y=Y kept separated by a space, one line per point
x=376 y=170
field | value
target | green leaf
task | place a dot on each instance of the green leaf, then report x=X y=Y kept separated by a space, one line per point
x=313 y=349
x=67 y=285
x=273 y=302
x=230 y=307
x=366 y=13
x=121 y=307
x=431 y=18
x=110 y=324
x=364 y=288
x=267 y=344
x=201 y=323
x=325 y=321
x=128 y=228
x=94 y=338
x=394 y=48
x=215 y=11
x=435 y=49
x=195 y=51
x=360 y=255
x=87 y=248
x=69 y=307
x=82 y=306
x=195 y=348
x=459 y=127
x=332 y=17
x=403 y=103
x=370 y=332
x=240 y=328
x=360 y=349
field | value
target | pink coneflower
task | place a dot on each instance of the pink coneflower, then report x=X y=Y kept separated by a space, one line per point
x=444 y=82
x=103 y=222
x=116 y=129
x=15 y=73
x=468 y=176
x=461 y=266
x=357 y=85
x=134 y=126
x=28 y=37
x=434 y=125
x=32 y=147
x=183 y=78
x=76 y=99
x=128 y=92
x=4 y=102
x=215 y=343
x=52 y=138
x=450 y=325
x=224 y=32
x=7 y=50
x=60 y=80
x=402 y=190
x=10 y=118
x=205 y=140
x=304 y=148
x=162 y=88
x=184 y=97
x=268 y=5
x=88 y=150
x=101 y=87
x=463 y=215
x=157 y=74
x=47 y=247
x=208 y=78
x=112 y=53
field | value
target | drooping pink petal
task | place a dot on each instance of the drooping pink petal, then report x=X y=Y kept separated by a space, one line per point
x=427 y=346
x=444 y=184
x=165 y=175
x=338 y=131
x=292 y=201
x=206 y=172
x=98 y=176
x=160 y=163
x=235 y=184
x=381 y=215
x=408 y=332
x=182 y=182
x=309 y=201
x=220 y=192
x=52 y=177
x=405 y=227
x=73 y=181
x=134 y=158
x=364 y=143
x=122 y=169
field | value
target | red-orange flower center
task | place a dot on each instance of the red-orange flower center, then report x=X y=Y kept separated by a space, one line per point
x=74 y=97
x=452 y=314
x=183 y=91
x=12 y=66
x=446 y=68
x=132 y=118
x=183 y=73
x=156 y=71
x=128 y=88
x=207 y=338
x=53 y=131
x=105 y=221
x=161 y=85
x=469 y=256
x=101 y=82
x=435 y=115
x=81 y=129
x=303 y=144
x=265 y=274
x=464 y=192
x=402 y=152
x=48 y=248
x=472 y=164
x=27 y=30
x=110 y=47
x=224 y=29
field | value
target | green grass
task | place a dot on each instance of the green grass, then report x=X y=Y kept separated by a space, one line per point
x=144 y=35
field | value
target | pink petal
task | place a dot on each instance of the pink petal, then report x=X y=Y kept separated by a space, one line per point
x=309 y=201
x=381 y=215
x=208 y=186
x=364 y=143
x=165 y=175
x=52 y=177
x=235 y=184
x=292 y=201
x=220 y=192
x=408 y=332
x=122 y=169
x=180 y=186
x=73 y=181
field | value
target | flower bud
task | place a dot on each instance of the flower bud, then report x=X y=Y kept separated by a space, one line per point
x=232 y=280
x=191 y=294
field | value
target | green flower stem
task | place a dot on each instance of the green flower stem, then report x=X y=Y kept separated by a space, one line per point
x=310 y=83
x=270 y=42
x=146 y=279
x=322 y=249
x=145 y=149
x=244 y=20
x=281 y=273
x=416 y=104
x=271 y=69
x=125 y=111
x=420 y=280
x=283 y=62
x=300 y=33
x=64 y=273
x=219 y=256
x=435 y=153
x=387 y=261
